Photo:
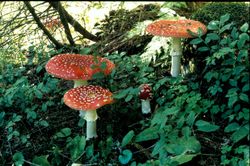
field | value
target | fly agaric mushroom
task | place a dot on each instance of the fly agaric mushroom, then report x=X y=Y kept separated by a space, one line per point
x=88 y=98
x=176 y=29
x=145 y=95
x=77 y=67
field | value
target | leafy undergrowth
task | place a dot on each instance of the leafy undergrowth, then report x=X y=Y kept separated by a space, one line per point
x=201 y=118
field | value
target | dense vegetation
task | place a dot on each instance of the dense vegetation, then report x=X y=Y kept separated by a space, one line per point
x=198 y=118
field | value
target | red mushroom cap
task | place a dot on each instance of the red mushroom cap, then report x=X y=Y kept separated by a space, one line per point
x=88 y=97
x=77 y=67
x=175 y=28
x=145 y=92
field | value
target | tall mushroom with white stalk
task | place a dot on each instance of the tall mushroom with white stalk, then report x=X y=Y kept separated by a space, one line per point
x=145 y=95
x=77 y=67
x=88 y=98
x=176 y=29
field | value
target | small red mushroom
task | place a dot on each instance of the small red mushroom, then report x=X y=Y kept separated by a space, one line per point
x=145 y=95
x=79 y=68
x=88 y=98
x=176 y=29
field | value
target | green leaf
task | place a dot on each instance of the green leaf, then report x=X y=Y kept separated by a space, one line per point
x=232 y=127
x=182 y=145
x=89 y=151
x=65 y=132
x=213 y=36
x=224 y=18
x=44 y=123
x=202 y=49
x=206 y=126
x=232 y=100
x=158 y=146
x=76 y=147
x=244 y=27
x=127 y=138
x=147 y=134
x=196 y=41
x=244 y=89
x=226 y=27
x=244 y=97
x=213 y=25
x=2 y=114
x=128 y=98
x=125 y=157
x=183 y=158
x=41 y=160
x=18 y=158
x=240 y=133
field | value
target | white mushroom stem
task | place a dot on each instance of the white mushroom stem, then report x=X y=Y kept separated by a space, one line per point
x=176 y=53
x=91 y=117
x=145 y=106
x=80 y=83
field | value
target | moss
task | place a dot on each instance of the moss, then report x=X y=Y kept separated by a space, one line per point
x=239 y=12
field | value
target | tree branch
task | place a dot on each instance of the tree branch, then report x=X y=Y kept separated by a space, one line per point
x=77 y=26
x=58 y=7
x=40 y=25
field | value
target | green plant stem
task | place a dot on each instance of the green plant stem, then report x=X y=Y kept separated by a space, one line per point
x=176 y=53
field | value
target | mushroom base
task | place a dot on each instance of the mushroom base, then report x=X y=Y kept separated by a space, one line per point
x=145 y=106
x=91 y=117
x=91 y=130
x=176 y=53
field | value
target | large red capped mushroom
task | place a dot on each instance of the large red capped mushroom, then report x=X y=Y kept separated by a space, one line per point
x=176 y=29
x=145 y=95
x=79 y=68
x=88 y=98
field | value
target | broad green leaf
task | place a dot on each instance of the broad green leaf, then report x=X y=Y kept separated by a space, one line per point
x=206 y=126
x=89 y=151
x=244 y=89
x=232 y=100
x=147 y=134
x=213 y=36
x=202 y=49
x=240 y=133
x=18 y=159
x=183 y=145
x=44 y=123
x=213 y=25
x=41 y=160
x=196 y=41
x=244 y=27
x=76 y=147
x=224 y=18
x=125 y=157
x=65 y=132
x=225 y=27
x=2 y=114
x=128 y=98
x=127 y=138
x=232 y=127
x=244 y=97
x=158 y=146
x=183 y=158
x=242 y=40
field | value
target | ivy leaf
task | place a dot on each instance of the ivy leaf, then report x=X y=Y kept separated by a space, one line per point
x=41 y=160
x=206 y=126
x=232 y=127
x=127 y=138
x=125 y=157
x=183 y=158
x=240 y=133
x=147 y=134
x=76 y=146
x=18 y=158
x=244 y=27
